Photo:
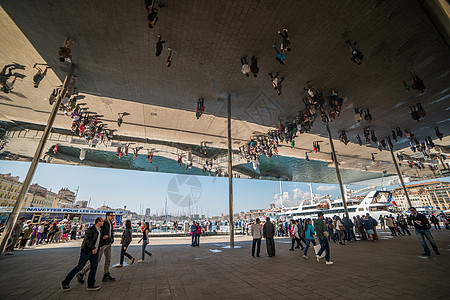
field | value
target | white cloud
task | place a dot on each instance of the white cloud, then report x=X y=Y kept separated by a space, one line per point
x=301 y=194
x=325 y=188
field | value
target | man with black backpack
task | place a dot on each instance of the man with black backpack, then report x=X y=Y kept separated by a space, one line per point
x=301 y=234
x=374 y=225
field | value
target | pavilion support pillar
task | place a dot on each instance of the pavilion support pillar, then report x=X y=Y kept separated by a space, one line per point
x=391 y=147
x=230 y=176
x=333 y=153
x=12 y=219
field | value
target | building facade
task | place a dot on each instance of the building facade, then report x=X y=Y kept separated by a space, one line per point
x=39 y=196
x=433 y=195
x=9 y=190
x=66 y=198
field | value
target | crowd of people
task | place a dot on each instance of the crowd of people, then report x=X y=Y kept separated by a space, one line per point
x=46 y=232
x=99 y=238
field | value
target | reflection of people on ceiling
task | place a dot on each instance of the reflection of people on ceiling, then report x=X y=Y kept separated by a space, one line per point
x=64 y=51
x=4 y=76
x=159 y=45
x=200 y=107
x=170 y=57
x=37 y=78
x=152 y=12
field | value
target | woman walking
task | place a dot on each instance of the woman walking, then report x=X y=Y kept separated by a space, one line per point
x=199 y=233
x=293 y=232
x=127 y=236
x=339 y=227
x=310 y=236
x=144 y=240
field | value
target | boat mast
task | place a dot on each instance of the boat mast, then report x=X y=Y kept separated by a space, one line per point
x=273 y=197
x=311 y=191
x=281 y=195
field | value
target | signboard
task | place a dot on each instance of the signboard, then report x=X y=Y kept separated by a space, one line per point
x=71 y=210
x=75 y=219
x=36 y=219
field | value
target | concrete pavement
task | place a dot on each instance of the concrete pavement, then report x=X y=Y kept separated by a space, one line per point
x=387 y=269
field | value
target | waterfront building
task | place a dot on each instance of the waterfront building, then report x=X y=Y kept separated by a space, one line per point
x=9 y=190
x=39 y=196
x=66 y=198
x=434 y=195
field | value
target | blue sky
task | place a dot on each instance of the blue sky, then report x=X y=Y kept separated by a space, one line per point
x=136 y=189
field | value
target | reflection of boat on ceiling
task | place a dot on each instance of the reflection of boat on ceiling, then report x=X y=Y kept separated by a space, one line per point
x=376 y=203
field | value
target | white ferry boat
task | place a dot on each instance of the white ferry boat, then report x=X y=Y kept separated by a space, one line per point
x=376 y=203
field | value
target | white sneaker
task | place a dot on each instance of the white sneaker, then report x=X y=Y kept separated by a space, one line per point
x=305 y=257
x=317 y=258
x=141 y=261
x=8 y=253
x=329 y=262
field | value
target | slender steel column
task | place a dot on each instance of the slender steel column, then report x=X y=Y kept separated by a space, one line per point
x=230 y=176
x=37 y=155
x=391 y=147
x=337 y=172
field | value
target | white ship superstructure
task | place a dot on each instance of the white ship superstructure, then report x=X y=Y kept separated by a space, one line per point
x=375 y=202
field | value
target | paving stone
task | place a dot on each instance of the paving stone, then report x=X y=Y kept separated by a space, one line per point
x=364 y=269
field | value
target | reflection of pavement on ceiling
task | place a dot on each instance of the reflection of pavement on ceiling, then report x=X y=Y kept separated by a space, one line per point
x=119 y=73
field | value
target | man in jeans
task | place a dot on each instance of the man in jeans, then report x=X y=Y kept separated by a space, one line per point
x=106 y=241
x=89 y=252
x=257 y=233
x=321 y=232
x=422 y=226
x=15 y=235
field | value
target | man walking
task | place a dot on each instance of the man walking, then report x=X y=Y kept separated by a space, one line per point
x=321 y=232
x=245 y=69
x=268 y=233
x=422 y=226
x=37 y=78
x=257 y=233
x=106 y=241
x=159 y=45
x=15 y=235
x=4 y=76
x=89 y=252
x=254 y=67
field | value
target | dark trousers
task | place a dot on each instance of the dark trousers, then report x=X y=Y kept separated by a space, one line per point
x=50 y=236
x=73 y=235
x=123 y=252
x=405 y=229
x=257 y=243
x=194 y=239
x=393 y=232
x=84 y=258
x=299 y=243
x=197 y=240
x=270 y=244
x=437 y=225
x=324 y=246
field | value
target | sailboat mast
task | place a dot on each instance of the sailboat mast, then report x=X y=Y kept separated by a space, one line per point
x=281 y=194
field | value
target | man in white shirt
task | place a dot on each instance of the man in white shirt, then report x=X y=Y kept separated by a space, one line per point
x=257 y=233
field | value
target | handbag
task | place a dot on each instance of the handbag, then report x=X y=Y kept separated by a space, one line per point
x=317 y=249
x=191 y=233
